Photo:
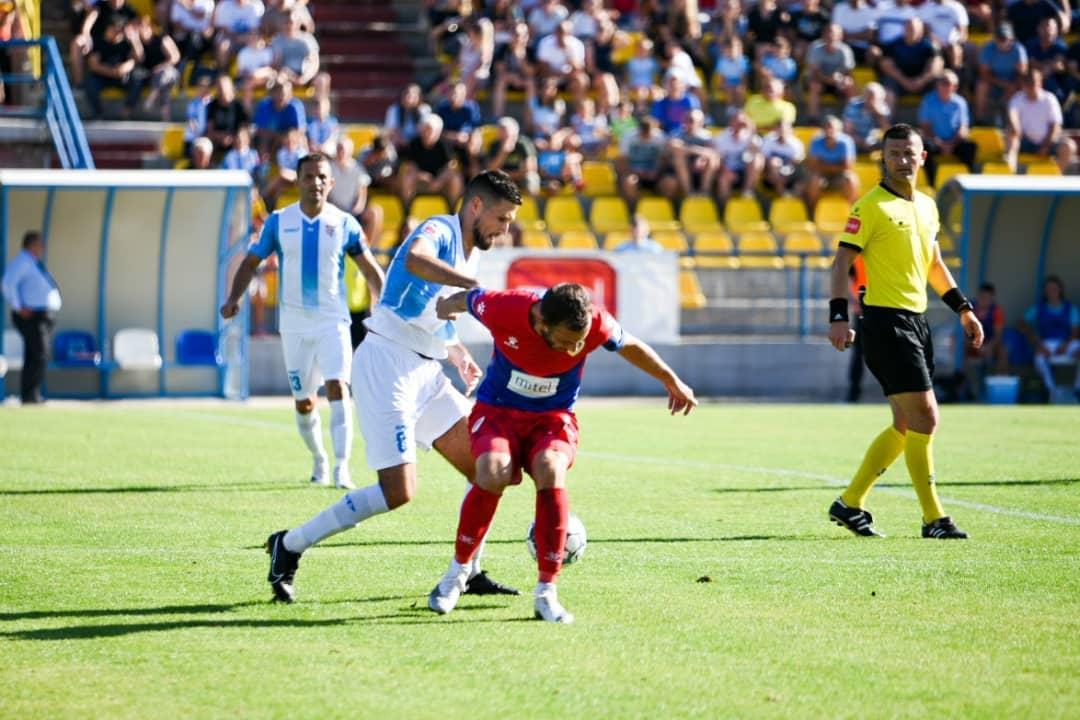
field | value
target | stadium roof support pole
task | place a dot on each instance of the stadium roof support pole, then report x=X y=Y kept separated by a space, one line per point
x=223 y=267
x=46 y=226
x=1044 y=246
x=106 y=222
x=166 y=214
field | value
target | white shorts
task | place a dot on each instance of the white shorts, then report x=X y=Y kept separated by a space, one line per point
x=1065 y=358
x=312 y=357
x=403 y=400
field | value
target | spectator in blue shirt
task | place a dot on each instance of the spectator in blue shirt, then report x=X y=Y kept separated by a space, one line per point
x=1002 y=62
x=731 y=70
x=831 y=162
x=672 y=109
x=946 y=122
x=867 y=117
x=242 y=156
x=1053 y=327
x=641 y=239
x=34 y=299
x=276 y=115
x=461 y=125
x=324 y=129
x=1047 y=46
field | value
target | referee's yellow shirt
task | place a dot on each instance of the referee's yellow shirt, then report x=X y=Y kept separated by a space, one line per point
x=896 y=237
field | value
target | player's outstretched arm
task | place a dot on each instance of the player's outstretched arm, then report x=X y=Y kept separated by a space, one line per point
x=639 y=354
x=423 y=262
x=241 y=280
x=944 y=285
x=451 y=306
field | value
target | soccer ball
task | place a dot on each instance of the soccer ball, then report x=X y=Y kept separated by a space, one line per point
x=576 y=540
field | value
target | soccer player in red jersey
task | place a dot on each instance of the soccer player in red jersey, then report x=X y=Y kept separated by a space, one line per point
x=523 y=418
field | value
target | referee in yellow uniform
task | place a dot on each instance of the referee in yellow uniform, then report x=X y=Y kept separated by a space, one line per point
x=895 y=228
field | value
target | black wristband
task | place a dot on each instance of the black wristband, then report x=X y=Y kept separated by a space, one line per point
x=838 y=310
x=956 y=301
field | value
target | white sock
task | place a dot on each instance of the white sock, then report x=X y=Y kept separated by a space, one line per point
x=341 y=431
x=1042 y=364
x=454 y=574
x=310 y=427
x=355 y=507
x=541 y=588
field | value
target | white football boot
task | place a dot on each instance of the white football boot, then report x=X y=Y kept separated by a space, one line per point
x=320 y=472
x=342 y=478
x=547 y=606
x=444 y=596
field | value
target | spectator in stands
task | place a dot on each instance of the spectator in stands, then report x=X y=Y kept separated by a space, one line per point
x=96 y=17
x=287 y=159
x=992 y=356
x=1025 y=16
x=34 y=299
x=545 y=19
x=233 y=20
x=202 y=154
x=672 y=109
x=1035 y=123
x=912 y=65
x=475 y=54
x=867 y=117
x=255 y=67
x=732 y=71
x=545 y=115
x=276 y=16
x=156 y=69
x=81 y=42
x=768 y=109
x=776 y=62
x=947 y=25
x=112 y=64
x=277 y=115
x=504 y=16
x=642 y=69
x=858 y=20
x=622 y=122
x=946 y=123
x=784 y=153
x=445 y=18
x=741 y=161
x=765 y=21
x=380 y=160
x=681 y=26
x=829 y=64
x=242 y=156
x=676 y=61
x=432 y=166
x=591 y=129
x=515 y=155
x=1047 y=46
x=323 y=130
x=1002 y=62
x=296 y=52
x=641 y=164
x=1052 y=327
x=730 y=21
x=693 y=156
x=806 y=26
x=892 y=21
x=513 y=69
x=191 y=25
x=641 y=239
x=831 y=163
x=1062 y=85
x=560 y=55
x=403 y=117
x=195 y=114
x=461 y=125
x=11 y=59
x=225 y=115
x=350 y=191
x=559 y=166
x=593 y=25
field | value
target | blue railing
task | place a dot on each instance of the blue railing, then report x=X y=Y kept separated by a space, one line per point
x=59 y=112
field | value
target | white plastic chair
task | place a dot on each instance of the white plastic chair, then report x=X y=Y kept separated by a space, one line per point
x=136 y=349
x=13 y=350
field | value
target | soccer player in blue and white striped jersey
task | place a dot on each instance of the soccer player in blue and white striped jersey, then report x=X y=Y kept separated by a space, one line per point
x=311 y=238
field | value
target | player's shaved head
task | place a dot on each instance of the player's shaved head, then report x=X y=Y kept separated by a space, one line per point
x=567 y=305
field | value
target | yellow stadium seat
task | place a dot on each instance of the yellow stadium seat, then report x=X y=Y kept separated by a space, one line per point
x=690 y=295
x=609 y=214
x=599 y=178
x=488 y=135
x=863 y=76
x=1043 y=168
x=563 y=214
x=698 y=215
x=388 y=239
x=393 y=212
x=577 y=240
x=947 y=171
x=869 y=174
x=659 y=213
x=625 y=47
x=806 y=133
x=528 y=215
x=802 y=242
x=614 y=239
x=743 y=214
x=142 y=7
x=671 y=240
x=991 y=143
x=996 y=168
x=424 y=206
x=759 y=243
x=172 y=142
x=536 y=239
x=831 y=213
x=715 y=242
x=788 y=214
x=361 y=135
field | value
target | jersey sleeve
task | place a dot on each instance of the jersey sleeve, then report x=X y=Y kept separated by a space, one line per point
x=268 y=239
x=857 y=229
x=439 y=234
x=497 y=309
x=612 y=335
x=355 y=243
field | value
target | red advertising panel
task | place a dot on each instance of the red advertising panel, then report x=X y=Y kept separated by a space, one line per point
x=540 y=273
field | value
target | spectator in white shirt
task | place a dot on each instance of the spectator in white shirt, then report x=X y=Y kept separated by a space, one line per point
x=947 y=24
x=561 y=55
x=1035 y=124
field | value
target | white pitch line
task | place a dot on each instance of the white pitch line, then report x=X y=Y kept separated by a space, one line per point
x=758 y=469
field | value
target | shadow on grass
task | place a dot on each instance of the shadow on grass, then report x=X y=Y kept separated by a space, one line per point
x=592 y=541
x=961 y=483
x=286 y=484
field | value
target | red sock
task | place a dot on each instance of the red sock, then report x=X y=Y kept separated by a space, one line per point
x=552 y=510
x=477 y=510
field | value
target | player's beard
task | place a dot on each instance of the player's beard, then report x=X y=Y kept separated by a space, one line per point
x=480 y=240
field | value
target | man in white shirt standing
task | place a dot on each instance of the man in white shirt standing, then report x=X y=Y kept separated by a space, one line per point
x=561 y=55
x=311 y=238
x=34 y=299
x=947 y=24
x=1035 y=123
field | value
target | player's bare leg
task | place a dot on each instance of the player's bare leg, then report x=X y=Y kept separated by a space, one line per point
x=548 y=470
x=309 y=424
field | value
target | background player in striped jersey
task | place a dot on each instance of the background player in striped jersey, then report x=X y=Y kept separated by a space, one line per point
x=523 y=418
x=403 y=398
x=311 y=238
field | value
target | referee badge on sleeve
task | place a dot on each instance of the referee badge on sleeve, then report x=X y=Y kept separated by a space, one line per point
x=853 y=225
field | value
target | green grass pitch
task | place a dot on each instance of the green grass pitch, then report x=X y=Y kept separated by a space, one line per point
x=133 y=582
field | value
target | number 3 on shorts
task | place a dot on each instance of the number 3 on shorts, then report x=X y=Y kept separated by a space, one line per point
x=294 y=380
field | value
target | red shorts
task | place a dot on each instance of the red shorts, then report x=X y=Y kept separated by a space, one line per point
x=522 y=434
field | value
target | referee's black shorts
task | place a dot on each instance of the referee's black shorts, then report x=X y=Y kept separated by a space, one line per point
x=898 y=349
